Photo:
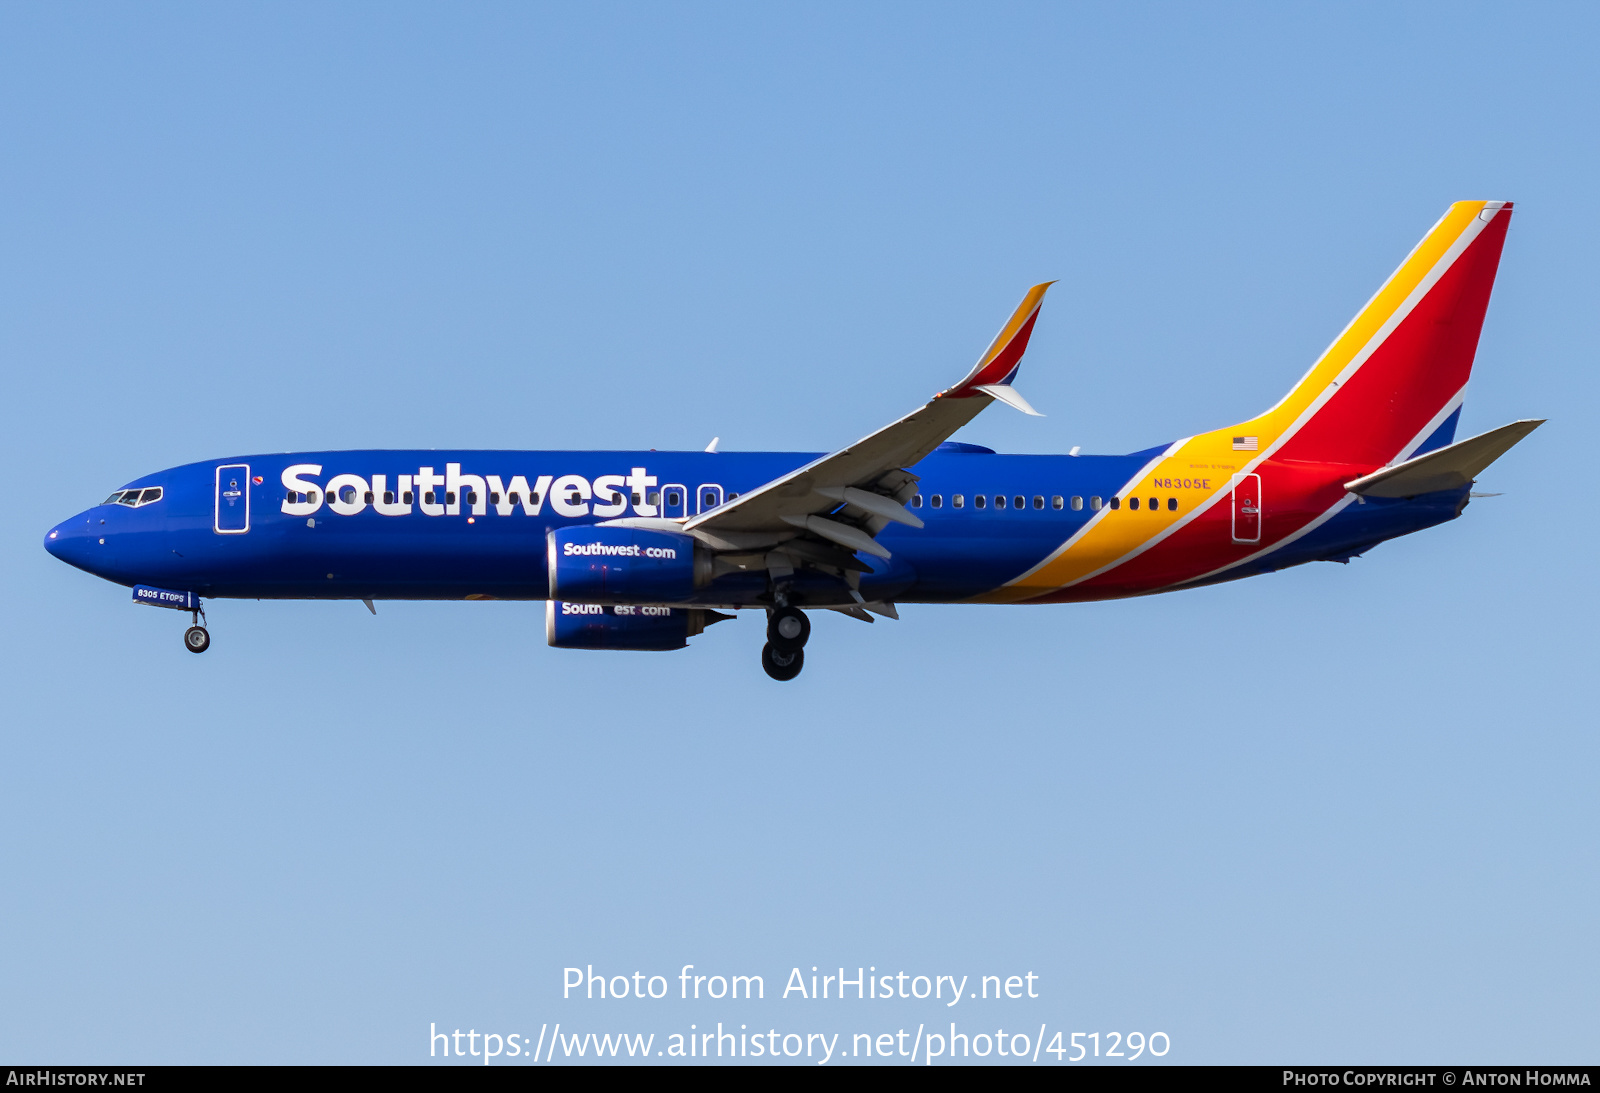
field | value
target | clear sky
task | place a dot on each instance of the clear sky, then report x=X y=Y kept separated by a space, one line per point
x=1340 y=813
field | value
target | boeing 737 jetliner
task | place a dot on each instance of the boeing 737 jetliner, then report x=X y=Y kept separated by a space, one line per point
x=642 y=550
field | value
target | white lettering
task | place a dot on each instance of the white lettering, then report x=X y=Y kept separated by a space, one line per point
x=341 y=486
x=639 y=485
x=428 y=500
x=457 y=484
x=397 y=507
x=294 y=482
x=517 y=493
x=569 y=495
x=609 y=500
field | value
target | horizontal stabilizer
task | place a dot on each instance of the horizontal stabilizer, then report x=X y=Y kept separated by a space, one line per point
x=1447 y=468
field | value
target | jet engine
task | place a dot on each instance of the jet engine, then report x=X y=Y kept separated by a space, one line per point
x=626 y=626
x=623 y=565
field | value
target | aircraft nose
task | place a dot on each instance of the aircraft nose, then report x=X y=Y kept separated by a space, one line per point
x=69 y=541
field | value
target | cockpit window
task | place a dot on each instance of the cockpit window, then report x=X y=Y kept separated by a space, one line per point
x=134 y=498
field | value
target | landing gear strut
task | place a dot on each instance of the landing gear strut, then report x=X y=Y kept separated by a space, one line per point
x=197 y=639
x=783 y=656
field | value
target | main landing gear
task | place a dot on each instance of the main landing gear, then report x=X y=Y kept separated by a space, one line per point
x=783 y=656
x=197 y=639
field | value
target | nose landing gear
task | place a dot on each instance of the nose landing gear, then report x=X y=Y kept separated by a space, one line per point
x=788 y=630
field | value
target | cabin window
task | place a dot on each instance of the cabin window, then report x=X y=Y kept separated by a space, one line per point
x=635 y=498
x=1172 y=504
x=1022 y=503
x=708 y=499
x=1133 y=504
x=979 y=501
x=916 y=501
x=368 y=497
x=1094 y=504
x=406 y=497
x=653 y=497
x=674 y=499
x=388 y=497
x=999 y=500
x=1116 y=502
x=450 y=497
x=533 y=498
x=1155 y=504
x=494 y=498
x=1077 y=503
x=958 y=501
x=938 y=500
x=511 y=499
x=347 y=494
x=472 y=497
x=427 y=498
x=1058 y=502
x=732 y=496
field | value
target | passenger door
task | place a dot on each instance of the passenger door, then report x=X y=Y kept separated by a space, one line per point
x=1247 y=509
x=233 y=499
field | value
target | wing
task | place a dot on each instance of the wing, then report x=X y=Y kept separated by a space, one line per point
x=846 y=498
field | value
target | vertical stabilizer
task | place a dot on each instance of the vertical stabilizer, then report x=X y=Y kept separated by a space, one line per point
x=1393 y=380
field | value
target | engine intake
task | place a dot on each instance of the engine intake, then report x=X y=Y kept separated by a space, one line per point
x=638 y=628
x=621 y=565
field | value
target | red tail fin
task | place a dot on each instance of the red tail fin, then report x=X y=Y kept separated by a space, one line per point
x=1400 y=368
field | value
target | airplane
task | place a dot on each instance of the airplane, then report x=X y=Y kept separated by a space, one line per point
x=642 y=550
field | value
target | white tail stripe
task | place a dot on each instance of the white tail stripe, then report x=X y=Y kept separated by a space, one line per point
x=1445 y=262
x=1334 y=510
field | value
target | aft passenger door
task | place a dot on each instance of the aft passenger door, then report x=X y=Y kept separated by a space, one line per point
x=1247 y=509
x=233 y=499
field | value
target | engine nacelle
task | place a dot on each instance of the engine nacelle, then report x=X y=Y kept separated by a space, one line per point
x=593 y=564
x=638 y=628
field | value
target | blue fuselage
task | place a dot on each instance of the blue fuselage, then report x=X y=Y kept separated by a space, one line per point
x=473 y=524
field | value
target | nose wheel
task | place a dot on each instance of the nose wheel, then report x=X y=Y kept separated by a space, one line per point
x=788 y=630
x=197 y=639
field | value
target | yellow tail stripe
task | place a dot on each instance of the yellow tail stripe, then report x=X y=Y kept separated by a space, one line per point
x=1112 y=537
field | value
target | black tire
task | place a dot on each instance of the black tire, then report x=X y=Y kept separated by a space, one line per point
x=196 y=640
x=780 y=665
x=788 y=629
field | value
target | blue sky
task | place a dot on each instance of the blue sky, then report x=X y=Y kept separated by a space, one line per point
x=1341 y=813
